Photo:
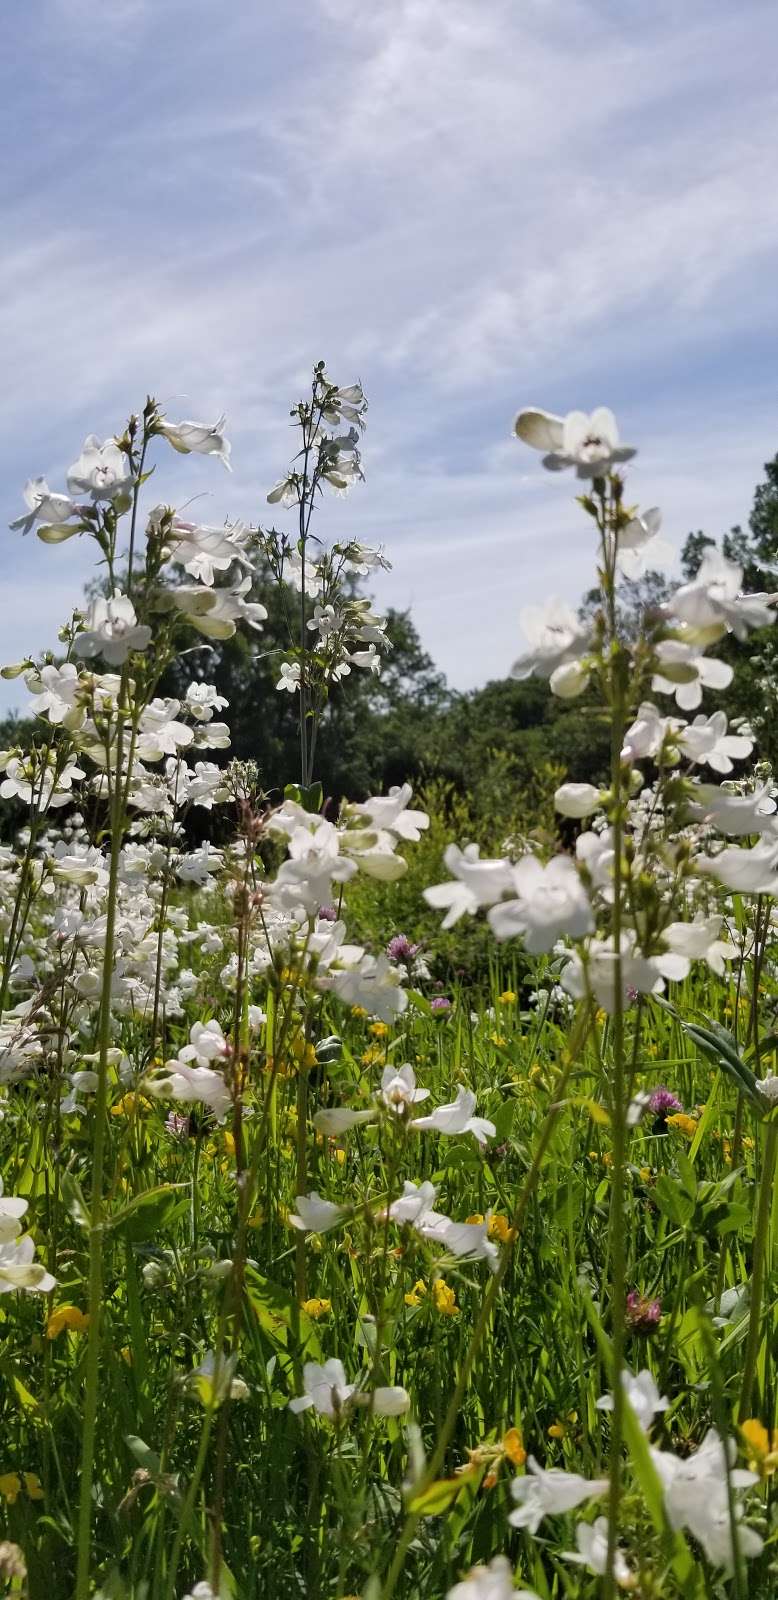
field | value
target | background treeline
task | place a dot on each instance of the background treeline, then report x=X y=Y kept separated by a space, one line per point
x=487 y=761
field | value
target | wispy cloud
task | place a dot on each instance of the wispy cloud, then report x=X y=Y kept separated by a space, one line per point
x=472 y=206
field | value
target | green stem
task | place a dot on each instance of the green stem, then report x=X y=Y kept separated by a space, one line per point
x=488 y=1303
x=96 y=1214
x=758 y=1263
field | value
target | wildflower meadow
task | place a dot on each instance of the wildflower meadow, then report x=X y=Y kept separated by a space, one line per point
x=332 y=1266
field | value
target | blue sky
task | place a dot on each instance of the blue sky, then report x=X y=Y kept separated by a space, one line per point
x=469 y=204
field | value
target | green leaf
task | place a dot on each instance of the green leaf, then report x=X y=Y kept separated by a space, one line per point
x=438 y=1496
x=151 y=1213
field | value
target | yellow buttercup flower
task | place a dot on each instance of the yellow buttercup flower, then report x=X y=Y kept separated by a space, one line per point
x=316 y=1308
x=475 y=1216
x=507 y=998
x=687 y=1126
x=70 y=1317
x=358 y=1011
x=379 y=1030
x=761 y=1447
x=499 y=1227
x=12 y=1483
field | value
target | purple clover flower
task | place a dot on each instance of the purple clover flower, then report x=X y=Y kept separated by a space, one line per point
x=400 y=948
x=440 y=1005
x=663 y=1103
x=643 y=1315
x=177 y=1123
x=327 y=914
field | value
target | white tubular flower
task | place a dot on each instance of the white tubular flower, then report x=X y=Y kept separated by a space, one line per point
x=52 y=511
x=648 y=734
x=18 y=1268
x=112 y=631
x=414 y=1209
x=694 y=941
x=390 y=813
x=569 y=680
x=639 y=974
x=160 y=734
x=315 y=1215
x=201 y=700
x=368 y=659
x=373 y=984
x=54 y=693
x=469 y=1241
x=398 y=1088
x=200 y=1085
x=577 y=799
x=338 y=1119
x=290 y=676
x=556 y=638
x=550 y=1493
x=12 y=1209
x=684 y=672
x=643 y=1395
x=102 y=471
x=494 y=1582
x=206 y=439
x=639 y=548
x=203 y=551
x=477 y=883
x=713 y=603
x=697 y=1498
x=457 y=1117
x=550 y=901
x=745 y=871
x=592 y=1553
x=733 y=814
x=326 y=1389
x=590 y=443
x=706 y=742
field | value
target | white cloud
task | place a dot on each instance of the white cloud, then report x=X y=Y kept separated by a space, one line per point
x=471 y=206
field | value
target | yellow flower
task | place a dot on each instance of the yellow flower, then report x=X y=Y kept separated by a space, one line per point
x=513 y=1447
x=66 y=1317
x=444 y=1298
x=645 y=1174
x=12 y=1483
x=373 y=1056
x=358 y=1011
x=228 y=1140
x=687 y=1126
x=559 y=1429
x=419 y=1289
x=761 y=1447
x=476 y=1216
x=304 y=1053
x=316 y=1308
x=499 y=1227
x=379 y=1030
x=339 y=1154
x=257 y=1218
x=507 y=998
x=498 y=1039
x=129 y=1104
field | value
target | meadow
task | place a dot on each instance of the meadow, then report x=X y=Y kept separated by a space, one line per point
x=383 y=1214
